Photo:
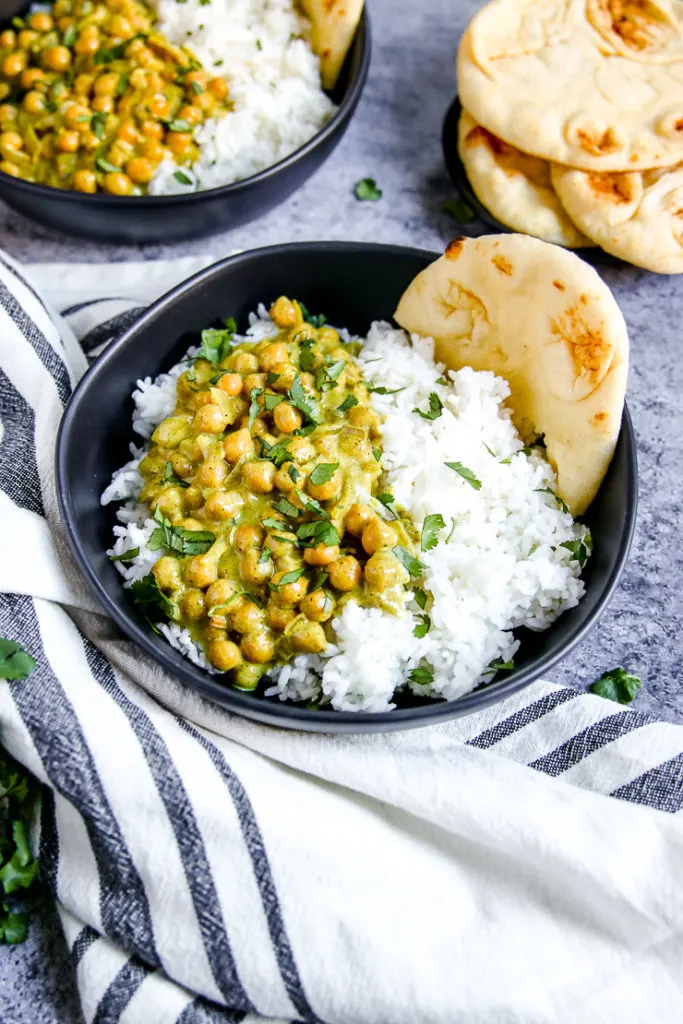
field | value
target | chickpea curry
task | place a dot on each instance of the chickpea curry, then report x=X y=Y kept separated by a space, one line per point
x=93 y=99
x=263 y=484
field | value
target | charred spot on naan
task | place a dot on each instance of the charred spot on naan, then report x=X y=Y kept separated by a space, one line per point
x=503 y=265
x=616 y=187
x=641 y=25
x=591 y=353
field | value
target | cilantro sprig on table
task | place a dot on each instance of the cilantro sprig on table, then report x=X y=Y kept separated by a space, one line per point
x=618 y=685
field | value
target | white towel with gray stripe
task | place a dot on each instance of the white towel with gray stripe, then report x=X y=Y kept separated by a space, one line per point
x=519 y=865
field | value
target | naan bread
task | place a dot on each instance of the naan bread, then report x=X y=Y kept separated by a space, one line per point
x=514 y=186
x=334 y=24
x=636 y=216
x=544 y=320
x=595 y=84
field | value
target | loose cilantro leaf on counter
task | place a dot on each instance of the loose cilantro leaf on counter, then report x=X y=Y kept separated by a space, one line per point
x=388 y=501
x=15 y=662
x=408 y=561
x=366 y=189
x=618 y=685
x=423 y=627
x=18 y=868
x=178 y=539
x=459 y=211
x=435 y=408
x=125 y=556
x=430 y=529
x=465 y=473
x=323 y=473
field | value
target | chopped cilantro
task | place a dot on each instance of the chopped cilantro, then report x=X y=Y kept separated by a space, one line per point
x=273 y=524
x=254 y=408
x=15 y=662
x=548 y=490
x=264 y=556
x=314 y=319
x=348 y=403
x=423 y=675
x=435 y=408
x=377 y=452
x=171 y=478
x=420 y=598
x=465 y=473
x=578 y=549
x=366 y=189
x=384 y=391
x=454 y=523
x=289 y=577
x=216 y=343
x=152 y=602
x=18 y=868
x=423 y=627
x=180 y=176
x=618 y=685
x=300 y=400
x=501 y=666
x=408 y=561
x=125 y=556
x=272 y=401
x=104 y=165
x=271 y=378
x=326 y=376
x=178 y=539
x=286 y=507
x=311 y=505
x=104 y=56
x=319 y=532
x=459 y=211
x=388 y=501
x=430 y=529
x=122 y=84
x=323 y=473
x=293 y=473
x=179 y=125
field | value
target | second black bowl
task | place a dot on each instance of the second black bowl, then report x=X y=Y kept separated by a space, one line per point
x=353 y=284
x=154 y=219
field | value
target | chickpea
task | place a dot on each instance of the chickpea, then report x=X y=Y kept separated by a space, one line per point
x=8 y=39
x=106 y=83
x=86 y=46
x=246 y=537
x=238 y=445
x=192 y=498
x=281 y=543
x=230 y=384
x=357 y=518
x=383 y=571
x=221 y=593
x=377 y=535
x=254 y=568
x=26 y=39
x=179 y=142
x=192 y=605
x=223 y=654
x=29 y=77
x=85 y=181
x=218 y=87
x=169 y=502
x=246 y=362
x=309 y=637
x=68 y=141
x=318 y=606
x=205 y=101
x=158 y=105
x=199 y=571
x=11 y=140
x=222 y=505
x=119 y=27
x=302 y=450
x=61 y=7
x=212 y=473
x=253 y=381
x=191 y=114
x=288 y=593
x=152 y=130
x=167 y=573
x=7 y=167
x=287 y=418
x=13 y=64
x=286 y=374
x=326 y=491
x=247 y=677
x=345 y=573
x=272 y=355
x=103 y=104
x=244 y=616
x=279 y=617
x=74 y=115
x=284 y=313
x=210 y=419
x=41 y=21
x=33 y=102
x=321 y=554
x=283 y=479
x=259 y=476
x=362 y=416
x=117 y=183
x=328 y=336
x=188 y=523
x=258 y=647
x=5 y=90
x=7 y=112
x=196 y=78
x=56 y=58
x=83 y=84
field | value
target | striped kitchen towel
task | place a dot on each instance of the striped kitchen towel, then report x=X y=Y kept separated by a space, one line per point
x=210 y=869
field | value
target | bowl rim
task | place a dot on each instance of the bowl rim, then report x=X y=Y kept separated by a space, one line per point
x=362 y=37
x=282 y=714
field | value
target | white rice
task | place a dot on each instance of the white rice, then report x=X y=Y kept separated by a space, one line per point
x=262 y=48
x=498 y=564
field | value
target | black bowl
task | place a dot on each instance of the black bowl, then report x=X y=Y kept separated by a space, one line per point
x=353 y=284
x=147 y=219
x=458 y=175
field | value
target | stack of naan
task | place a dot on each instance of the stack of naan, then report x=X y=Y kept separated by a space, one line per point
x=572 y=123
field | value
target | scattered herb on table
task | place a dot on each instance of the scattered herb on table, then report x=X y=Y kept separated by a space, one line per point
x=618 y=685
x=459 y=211
x=367 y=188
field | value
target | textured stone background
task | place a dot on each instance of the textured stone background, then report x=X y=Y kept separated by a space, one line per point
x=395 y=137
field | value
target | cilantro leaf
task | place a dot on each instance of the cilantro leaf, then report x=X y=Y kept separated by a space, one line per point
x=408 y=561
x=385 y=391
x=275 y=453
x=366 y=189
x=435 y=408
x=430 y=529
x=70 y=35
x=465 y=473
x=321 y=531
x=323 y=473
x=578 y=550
x=389 y=503
x=618 y=685
x=272 y=378
x=459 y=211
x=15 y=661
x=181 y=177
x=423 y=675
x=307 y=357
x=377 y=452
x=293 y=473
x=178 y=539
x=13 y=927
x=216 y=344
x=286 y=508
x=348 y=403
x=423 y=627
x=420 y=598
x=154 y=605
x=272 y=401
x=104 y=165
x=289 y=577
x=300 y=400
x=454 y=523
x=171 y=478
x=254 y=408
x=311 y=505
x=264 y=556
x=274 y=524
x=316 y=320
x=548 y=490
x=500 y=666
x=125 y=556
x=107 y=56
x=179 y=125
x=326 y=376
